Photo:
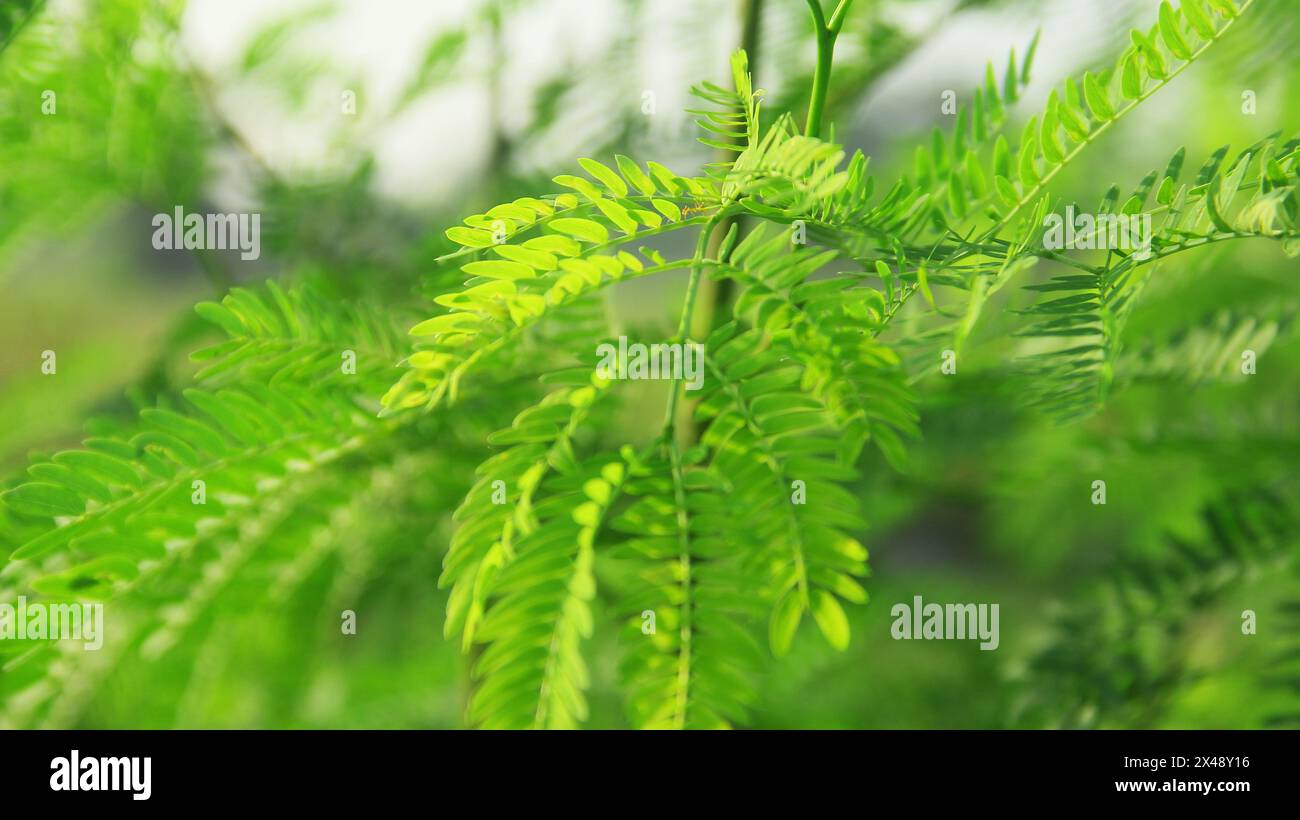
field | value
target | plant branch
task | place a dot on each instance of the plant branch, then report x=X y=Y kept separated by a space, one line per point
x=671 y=427
x=826 y=36
x=1093 y=136
x=716 y=295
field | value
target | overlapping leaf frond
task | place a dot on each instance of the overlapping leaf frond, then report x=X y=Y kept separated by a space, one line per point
x=1210 y=350
x=973 y=186
x=795 y=385
x=733 y=122
x=302 y=335
x=768 y=446
x=829 y=326
x=501 y=508
x=691 y=657
x=781 y=456
x=183 y=498
x=283 y=479
x=88 y=518
x=103 y=146
x=1117 y=658
x=1087 y=108
x=533 y=673
x=975 y=178
x=545 y=255
x=1084 y=311
x=183 y=612
x=951 y=177
x=785 y=175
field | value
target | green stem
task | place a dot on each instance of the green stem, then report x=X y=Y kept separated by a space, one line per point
x=687 y=607
x=688 y=311
x=827 y=32
x=677 y=426
x=821 y=80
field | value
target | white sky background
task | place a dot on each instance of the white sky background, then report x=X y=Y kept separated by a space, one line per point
x=440 y=143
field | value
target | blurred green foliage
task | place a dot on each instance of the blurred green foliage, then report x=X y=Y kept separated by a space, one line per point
x=1122 y=615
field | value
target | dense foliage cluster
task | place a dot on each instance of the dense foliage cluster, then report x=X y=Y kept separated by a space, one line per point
x=695 y=546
